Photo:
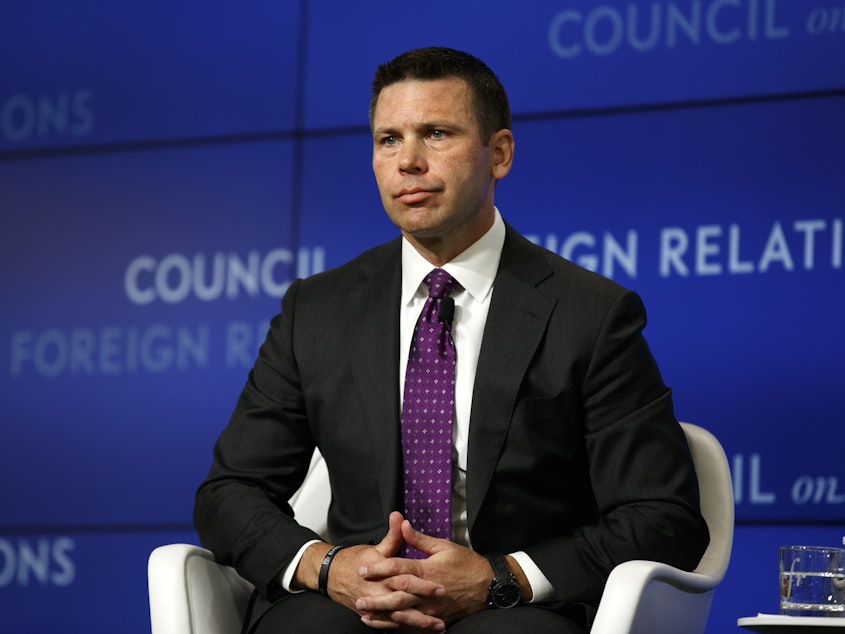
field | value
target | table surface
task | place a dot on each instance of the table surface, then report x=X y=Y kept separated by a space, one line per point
x=778 y=624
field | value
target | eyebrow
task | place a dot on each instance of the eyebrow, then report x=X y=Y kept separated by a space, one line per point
x=425 y=125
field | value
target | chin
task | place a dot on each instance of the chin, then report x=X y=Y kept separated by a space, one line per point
x=416 y=220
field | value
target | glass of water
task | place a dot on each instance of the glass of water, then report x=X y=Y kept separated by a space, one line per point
x=812 y=581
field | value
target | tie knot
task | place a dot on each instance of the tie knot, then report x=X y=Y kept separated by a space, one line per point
x=440 y=283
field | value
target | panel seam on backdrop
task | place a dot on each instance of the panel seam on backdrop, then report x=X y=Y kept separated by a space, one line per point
x=298 y=152
x=715 y=102
x=93 y=529
x=299 y=135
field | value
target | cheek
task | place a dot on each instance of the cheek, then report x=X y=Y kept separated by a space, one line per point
x=463 y=167
x=466 y=178
x=381 y=176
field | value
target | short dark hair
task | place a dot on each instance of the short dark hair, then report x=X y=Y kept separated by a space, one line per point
x=489 y=99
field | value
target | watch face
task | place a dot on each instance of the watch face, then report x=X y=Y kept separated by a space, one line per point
x=506 y=594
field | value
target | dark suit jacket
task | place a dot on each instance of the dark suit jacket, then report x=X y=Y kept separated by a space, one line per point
x=574 y=452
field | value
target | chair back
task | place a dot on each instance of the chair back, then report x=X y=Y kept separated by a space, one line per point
x=311 y=502
x=717 y=502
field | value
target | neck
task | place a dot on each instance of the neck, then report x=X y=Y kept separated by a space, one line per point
x=441 y=249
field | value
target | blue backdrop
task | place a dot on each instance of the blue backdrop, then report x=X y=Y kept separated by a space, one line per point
x=166 y=170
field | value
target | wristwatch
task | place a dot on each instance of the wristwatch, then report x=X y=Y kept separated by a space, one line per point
x=504 y=591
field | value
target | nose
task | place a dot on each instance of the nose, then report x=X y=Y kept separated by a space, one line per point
x=412 y=158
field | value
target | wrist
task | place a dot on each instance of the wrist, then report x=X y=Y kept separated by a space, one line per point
x=505 y=590
x=307 y=575
x=323 y=575
x=521 y=578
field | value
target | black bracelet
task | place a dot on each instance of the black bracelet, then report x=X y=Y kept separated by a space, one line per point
x=323 y=579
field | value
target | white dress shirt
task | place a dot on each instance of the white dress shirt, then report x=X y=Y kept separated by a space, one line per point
x=475 y=270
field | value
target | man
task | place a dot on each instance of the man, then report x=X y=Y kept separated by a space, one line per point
x=565 y=456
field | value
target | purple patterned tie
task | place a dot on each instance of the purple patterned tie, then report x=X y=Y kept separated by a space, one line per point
x=428 y=406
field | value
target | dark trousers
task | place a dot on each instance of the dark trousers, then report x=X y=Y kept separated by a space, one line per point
x=309 y=612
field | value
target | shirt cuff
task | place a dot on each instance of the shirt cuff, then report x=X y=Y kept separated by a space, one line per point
x=541 y=588
x=287 y=572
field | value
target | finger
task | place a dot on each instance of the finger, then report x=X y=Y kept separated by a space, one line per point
x=407 y=592
x=423 y=543
x=407 y=619
x=379 y=622
x=390 y=543
x=415 y=585
x=386 y=568
x=385 y=603
x=418 y=620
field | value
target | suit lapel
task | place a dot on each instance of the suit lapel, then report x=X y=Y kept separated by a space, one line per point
x=376 y=298
x=518 y=316
x=519 y=313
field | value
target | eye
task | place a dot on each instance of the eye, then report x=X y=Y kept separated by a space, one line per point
x=388 y=140
x=438 y=134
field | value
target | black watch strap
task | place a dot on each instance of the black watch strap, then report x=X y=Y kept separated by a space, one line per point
x=504 y=591
x=500 y=567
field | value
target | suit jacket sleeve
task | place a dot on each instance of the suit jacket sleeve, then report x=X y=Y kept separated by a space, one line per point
x=644 y=493
x=327 y=378
x=260 y=459
x=575 y=454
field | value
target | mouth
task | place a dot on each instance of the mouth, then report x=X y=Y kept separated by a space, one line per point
x=412 y=195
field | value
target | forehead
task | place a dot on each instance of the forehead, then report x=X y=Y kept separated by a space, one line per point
x=414 y=101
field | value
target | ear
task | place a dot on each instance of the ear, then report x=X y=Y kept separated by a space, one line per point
x=501 y=153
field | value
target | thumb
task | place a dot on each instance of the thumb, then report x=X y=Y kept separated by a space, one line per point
x=390 y=543
x=422 y=542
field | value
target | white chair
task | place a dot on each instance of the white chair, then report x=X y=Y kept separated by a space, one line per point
x=646 y=597
x=192 y=594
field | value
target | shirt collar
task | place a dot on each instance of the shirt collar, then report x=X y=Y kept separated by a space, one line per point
x=474 y=269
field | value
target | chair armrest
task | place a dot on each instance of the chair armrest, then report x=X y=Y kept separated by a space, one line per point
x=639 y=572
x=647 y=596
x=190 y=593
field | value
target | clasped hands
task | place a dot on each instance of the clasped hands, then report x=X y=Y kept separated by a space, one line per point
x=392 y=593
